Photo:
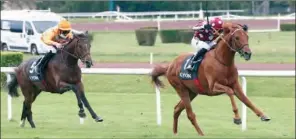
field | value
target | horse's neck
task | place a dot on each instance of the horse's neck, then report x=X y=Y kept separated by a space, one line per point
x=224 y=54
x=67 y=59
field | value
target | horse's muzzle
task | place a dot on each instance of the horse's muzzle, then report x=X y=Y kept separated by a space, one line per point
x=88 y=64
x=247 y=55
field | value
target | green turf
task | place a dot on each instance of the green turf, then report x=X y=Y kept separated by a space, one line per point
x=133 y=115
x=127 y=103
x=274 y=47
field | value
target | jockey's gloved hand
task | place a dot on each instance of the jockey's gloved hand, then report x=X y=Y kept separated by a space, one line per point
x=58 y=45
x=208 y=26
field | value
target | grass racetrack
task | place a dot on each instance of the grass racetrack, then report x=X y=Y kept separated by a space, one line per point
x=127 y=104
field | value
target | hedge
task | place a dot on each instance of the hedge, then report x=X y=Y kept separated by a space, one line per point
x=170 y=36
x=287 y=27
x=146 y=36
x=176 y=36
x=186 y=36
x=10 y=59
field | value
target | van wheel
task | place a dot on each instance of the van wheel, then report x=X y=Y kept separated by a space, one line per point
x=4 y=47
x=34 y=50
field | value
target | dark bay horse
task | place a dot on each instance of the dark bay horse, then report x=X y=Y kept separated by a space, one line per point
x=62 y=74
x=217 y=74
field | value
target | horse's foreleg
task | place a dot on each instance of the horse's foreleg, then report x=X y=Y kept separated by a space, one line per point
x=241 y=96
x=221 y=88
x=237 y=120
x=86 y=103
x=178 y=110
x=65 y=86
x=81 y=112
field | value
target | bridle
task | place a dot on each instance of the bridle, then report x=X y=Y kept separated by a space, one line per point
x=233 y=42
x=75 y=55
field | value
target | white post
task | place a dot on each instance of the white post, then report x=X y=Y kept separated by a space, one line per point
x=279 y=22
x=244 y=108
x=151 y=58
x=158 y=23
x=158 y=110
x=81 y=120
x=9 y=100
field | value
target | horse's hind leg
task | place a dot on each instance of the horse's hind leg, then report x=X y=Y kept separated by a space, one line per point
x=27 y=104
x=185 y=98
x=24 y=115
x=178 y=110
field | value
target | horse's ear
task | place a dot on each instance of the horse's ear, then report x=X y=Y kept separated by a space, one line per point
x=245 y=27
x=226 y=27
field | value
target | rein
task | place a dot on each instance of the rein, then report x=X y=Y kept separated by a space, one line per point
x=239 y=50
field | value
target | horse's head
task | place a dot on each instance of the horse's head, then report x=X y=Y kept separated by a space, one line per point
x=238 y=39
x=80 y=46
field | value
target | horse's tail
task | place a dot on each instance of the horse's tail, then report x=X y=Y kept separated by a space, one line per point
x=158 y=70
x=12 y=85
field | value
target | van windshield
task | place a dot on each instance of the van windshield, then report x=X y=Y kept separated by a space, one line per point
x=42 y=26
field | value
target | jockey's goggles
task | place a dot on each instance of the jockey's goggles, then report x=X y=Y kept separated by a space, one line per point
x=65 y=32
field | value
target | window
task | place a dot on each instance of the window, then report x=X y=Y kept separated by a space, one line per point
x=42 y=26
x=5 y=25
x=29 y=29
x=13 y=26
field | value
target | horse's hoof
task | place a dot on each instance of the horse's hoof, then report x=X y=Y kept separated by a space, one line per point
x=265 y=118
x=237 y=121
x=99 y=119
x=201 y=134
x=82 y=114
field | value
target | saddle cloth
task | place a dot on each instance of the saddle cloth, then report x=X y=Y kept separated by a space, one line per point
x=193 y=74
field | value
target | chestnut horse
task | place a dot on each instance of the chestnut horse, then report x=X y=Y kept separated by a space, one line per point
x=217 y=74
x=61 y=75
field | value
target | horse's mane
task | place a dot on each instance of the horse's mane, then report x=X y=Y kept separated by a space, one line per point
x=77 y=35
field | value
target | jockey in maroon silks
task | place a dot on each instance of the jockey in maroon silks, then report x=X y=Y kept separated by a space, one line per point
x=203 y=39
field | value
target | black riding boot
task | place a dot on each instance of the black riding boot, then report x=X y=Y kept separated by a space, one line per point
x=200 y=53
x=42 y=60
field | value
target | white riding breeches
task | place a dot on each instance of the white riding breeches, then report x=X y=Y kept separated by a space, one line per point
x=198 y=44
x=53 y=50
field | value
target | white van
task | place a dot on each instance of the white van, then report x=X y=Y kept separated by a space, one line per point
x=21 y=30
